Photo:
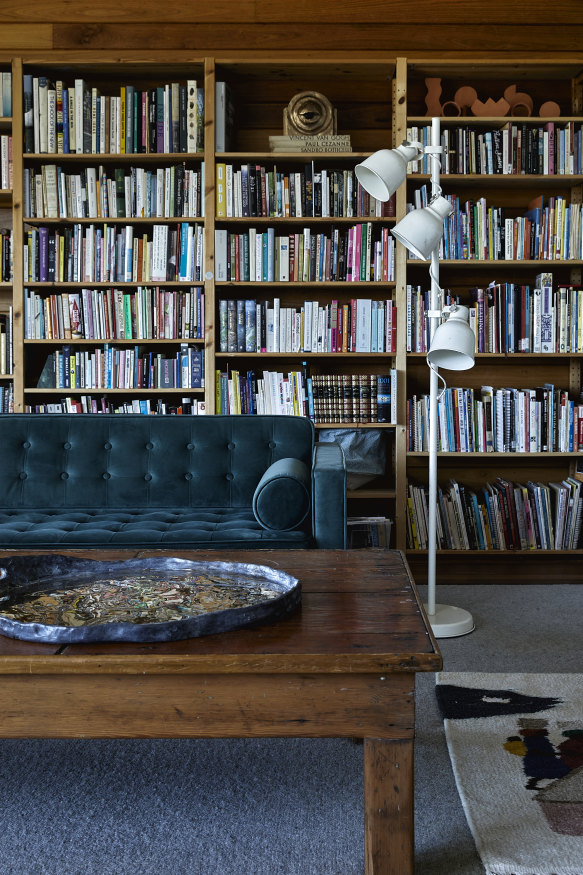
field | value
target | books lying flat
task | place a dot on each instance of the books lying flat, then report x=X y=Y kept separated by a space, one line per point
x=307 y=143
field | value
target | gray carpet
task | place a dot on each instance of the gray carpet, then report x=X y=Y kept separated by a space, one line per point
x=264 y=807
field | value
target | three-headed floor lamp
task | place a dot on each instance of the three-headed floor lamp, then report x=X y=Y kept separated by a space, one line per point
x=451 y=343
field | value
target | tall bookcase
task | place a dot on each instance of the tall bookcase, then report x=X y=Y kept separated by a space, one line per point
x=377 y=104
x=547 y=94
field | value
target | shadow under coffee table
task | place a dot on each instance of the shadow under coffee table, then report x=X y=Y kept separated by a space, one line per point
x=343 y=665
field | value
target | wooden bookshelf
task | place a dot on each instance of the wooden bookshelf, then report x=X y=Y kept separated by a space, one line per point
x=377 y=100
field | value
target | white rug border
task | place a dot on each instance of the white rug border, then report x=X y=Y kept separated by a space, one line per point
x=499 y=680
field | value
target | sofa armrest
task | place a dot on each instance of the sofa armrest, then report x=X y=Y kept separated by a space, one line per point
x=329 y=497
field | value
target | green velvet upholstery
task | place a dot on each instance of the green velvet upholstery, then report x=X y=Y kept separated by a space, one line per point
x=86 y=481
x=282 y=498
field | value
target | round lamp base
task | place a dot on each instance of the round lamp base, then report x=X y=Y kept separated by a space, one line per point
x=449 y=622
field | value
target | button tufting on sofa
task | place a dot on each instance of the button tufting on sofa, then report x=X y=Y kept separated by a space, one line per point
x=185 y=500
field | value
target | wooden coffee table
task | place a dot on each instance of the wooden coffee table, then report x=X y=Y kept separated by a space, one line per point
x=343 y=665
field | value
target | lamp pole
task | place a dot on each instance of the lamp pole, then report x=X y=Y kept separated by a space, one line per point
x=446 y=621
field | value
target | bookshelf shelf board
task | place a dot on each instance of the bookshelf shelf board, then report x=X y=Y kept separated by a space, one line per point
x=371 y=493
x=541 y=265
x=277 y=157
x=112 y=157
x=314 y=284
x=351 y=356
x=117 y=220
x=83 y=341
x=303 y=220
x=77 y=390
x=506 y=179
x=507 y=357
x=7 y=376
x=521 y=553
x=523 y=457
x=350 y=424
x=102 y=285
x=494 y=120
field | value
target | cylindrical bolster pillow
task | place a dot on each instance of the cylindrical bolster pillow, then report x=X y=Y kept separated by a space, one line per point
x=282 y=497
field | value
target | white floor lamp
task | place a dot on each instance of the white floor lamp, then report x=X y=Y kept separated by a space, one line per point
x=451 y=343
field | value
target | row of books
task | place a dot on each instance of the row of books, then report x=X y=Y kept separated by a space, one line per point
x=362 y=253
x=324 y=398
x=510 y=318
x=73 y=117
x=5 y=94
x=146 y=313
x=6 y=343
x=502 y=515
x=550 y=230
x=7 y=398
x=503 y=420
x=254 y=190
x=6 y=255
x=6 y=169
x=120 y=192
x=516 y=148
x=368 y=531
x=114 y=253
x=89 y=404
x=109 y=367
x=363 y=325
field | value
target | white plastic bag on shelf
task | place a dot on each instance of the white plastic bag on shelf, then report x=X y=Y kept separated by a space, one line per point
x=364 y=450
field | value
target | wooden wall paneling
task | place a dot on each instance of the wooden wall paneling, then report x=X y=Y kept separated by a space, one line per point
x=304 y=11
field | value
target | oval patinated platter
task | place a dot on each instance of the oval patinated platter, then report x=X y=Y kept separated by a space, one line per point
x=62 y=599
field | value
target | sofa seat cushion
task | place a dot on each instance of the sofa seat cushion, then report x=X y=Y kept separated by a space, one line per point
x=128 y=527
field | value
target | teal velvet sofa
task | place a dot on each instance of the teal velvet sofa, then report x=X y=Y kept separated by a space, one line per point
x=185 y=482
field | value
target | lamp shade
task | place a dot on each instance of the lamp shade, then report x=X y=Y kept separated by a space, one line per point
x=454 y=343
x=383 y=172
x=421 y=230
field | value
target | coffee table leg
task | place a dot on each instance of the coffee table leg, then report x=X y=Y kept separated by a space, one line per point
x=388 y=806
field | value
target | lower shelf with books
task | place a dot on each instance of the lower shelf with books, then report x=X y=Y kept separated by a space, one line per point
x=120 y=402
x=501 y=514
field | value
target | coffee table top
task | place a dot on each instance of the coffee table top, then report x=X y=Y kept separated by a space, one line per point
x=360 y=613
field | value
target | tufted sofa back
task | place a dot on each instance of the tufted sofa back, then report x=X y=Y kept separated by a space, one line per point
x=89 y=460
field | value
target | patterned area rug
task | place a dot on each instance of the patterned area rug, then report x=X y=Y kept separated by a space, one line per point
x=516 y=746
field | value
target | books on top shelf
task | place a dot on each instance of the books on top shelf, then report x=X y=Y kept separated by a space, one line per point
x=310 y=143
x=504 y=420
x=500 y=515
x=324 y=398
x=517 y=147
x=63 y=117
x=362 y=325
